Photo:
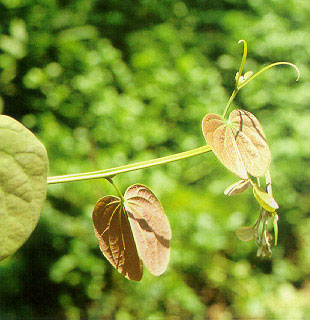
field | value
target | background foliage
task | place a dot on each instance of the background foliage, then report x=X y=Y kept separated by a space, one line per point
x=105 y=83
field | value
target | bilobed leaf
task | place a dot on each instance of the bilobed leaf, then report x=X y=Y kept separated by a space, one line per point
x=245 y=233
x=265 y=199
x=23 y=182
x=239 y=143
x=150 y=227
x=237 y=188
x=115 y=237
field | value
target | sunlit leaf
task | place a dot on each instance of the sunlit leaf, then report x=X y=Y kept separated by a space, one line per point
x=245 y=233
x=237 y=188
x=265 y=199
x=23 y=182
x=245 y=77
x=239 y=143
x=115 y=237
x=241 y=80
x=248 y=75
x=150 y=227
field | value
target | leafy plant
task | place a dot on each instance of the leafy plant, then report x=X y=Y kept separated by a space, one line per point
x=133 y=228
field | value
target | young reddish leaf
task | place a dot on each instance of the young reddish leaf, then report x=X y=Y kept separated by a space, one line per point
x=115 y=237
x=150 y=227
x=245 y=233
x=239 y=143
x=237 y=188
x=265 y=199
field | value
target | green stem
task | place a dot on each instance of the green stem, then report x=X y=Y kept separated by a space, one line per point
x=233 y=95
x=245 y=52
x=237 y=89
x=108 y=173
x=116 y=188
x=231 y=99
x=268 y=67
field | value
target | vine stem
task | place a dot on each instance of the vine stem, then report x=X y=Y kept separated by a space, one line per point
x=238 y=88
x=116 y=188
x=231 y=99
x=109 y=173
x=244 y=56
x=268 y=67
x=238 y=75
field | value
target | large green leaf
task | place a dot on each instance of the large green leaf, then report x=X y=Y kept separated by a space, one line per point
x=23 y=182
x=239 y=143
x=115 y=237
x=150 y=227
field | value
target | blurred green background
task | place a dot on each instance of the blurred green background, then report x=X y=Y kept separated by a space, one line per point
x=104 y=83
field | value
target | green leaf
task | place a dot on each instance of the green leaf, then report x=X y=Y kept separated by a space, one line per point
x=245 y=233
x=23 y=182
x=150 y=227
x=115 y=237
x=239 y=143
x=237 y=188
x=264 y=199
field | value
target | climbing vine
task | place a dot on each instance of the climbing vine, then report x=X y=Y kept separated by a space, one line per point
x=132 y=228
